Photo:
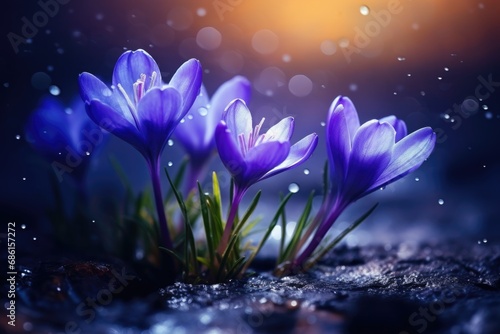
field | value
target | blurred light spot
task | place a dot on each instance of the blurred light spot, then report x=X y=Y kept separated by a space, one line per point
x=231 y=61
x=269 y=79
x=265 y=41
x=179 y=18
x=300 y=85
x=440 y=201
x=40 y=80
x=201 y=12
x=328 y=47
x=401 y=58
x=286 y=58
x=353 y=87
x=344 y=42
x=208 y=38
x=18 y=137
x=161 y=35
x=488 y=115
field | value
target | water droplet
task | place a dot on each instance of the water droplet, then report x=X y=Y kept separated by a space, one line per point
x=293 y=188
x=440 y=201
x=306 y=171
x=322 y=123
x=422 y=93
x=485 y=107
x=488 y=115
x=353 y=87
x=170 y=164
x=170 y=142
x=440 y=78
x=24 y=179
x=18 y=137
x=484 y=166
x=34 y=238
x=417 y=179
x=182 y=121
x=446 y=116
x=401 y=58
x=485 y=240
x=364 y=10
x=87 y=153
x=446 y=69
x=395 y=93
x=23 y=226
x=93 y=220
x=203 y=111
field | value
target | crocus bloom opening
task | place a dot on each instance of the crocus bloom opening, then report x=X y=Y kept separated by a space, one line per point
x=364 y=158
x=196 y=132
x=141 y=110
x=65 y=136
x=251 y=156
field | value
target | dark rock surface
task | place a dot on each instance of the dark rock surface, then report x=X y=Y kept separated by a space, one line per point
x=404 y=289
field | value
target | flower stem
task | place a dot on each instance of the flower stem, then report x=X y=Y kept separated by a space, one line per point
x=166 y=241
x=323 y=228
x=238 y=195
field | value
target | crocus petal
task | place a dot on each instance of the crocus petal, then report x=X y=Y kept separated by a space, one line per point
x=187 y=81
x=157 y=111
x=372 y=150
x=238 y=118
x=111 y=120
x=228 y=149
x=299 y=153
x=409 y=154
x=282 y=131
x=398 y=125
x=262 y=158
x=192 y=131
x=91 y=88
x=129 y=68
x=342 y=124
x=237 y=88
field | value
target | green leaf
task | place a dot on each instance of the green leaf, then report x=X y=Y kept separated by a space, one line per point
x=317 y=257
x=299 y=228
x=177 y=179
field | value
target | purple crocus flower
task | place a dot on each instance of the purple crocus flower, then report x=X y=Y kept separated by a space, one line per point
x=141 y=110
x=65 y=136
x=251 y=157
x=364 y=158
x=196 y=132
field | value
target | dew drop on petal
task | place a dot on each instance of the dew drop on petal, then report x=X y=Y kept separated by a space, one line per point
x=306 y=171
x=440 y=201
x=417 y=179
x=190 y=117
x=170 y=142
x=293 y=187
x=203 y=111
x=322 y=123
x=170 y=164
x=364 y=10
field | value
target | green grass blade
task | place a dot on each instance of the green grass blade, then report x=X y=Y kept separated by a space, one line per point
x=339 y=238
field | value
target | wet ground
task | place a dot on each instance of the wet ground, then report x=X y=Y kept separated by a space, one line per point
x=403 y=289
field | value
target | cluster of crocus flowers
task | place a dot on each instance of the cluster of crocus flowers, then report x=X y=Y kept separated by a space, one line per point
x=362 y=159
x=143 y=110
